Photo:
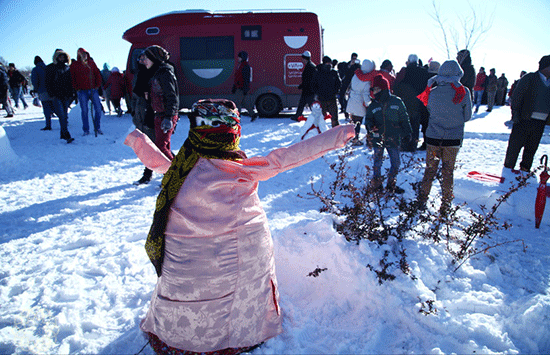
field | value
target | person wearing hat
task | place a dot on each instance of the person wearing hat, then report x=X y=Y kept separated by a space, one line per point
x=359 y=96
x=308 y=95
x=241 y=85
x=164 y=96
x=60 y=89
x=347 y=71
x=210 y=241
x=450 y=107
x=326 y=84
x=530 y=104
x=388 y=124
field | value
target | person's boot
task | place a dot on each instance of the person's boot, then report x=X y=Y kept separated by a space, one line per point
x=392 y=187
x=146 y=178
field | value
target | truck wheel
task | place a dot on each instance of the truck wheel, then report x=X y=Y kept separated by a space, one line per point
x=268 y=105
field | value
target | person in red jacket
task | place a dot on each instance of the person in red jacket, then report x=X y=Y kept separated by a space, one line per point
x=479 y=87
x=116 y=83
x=86 y=80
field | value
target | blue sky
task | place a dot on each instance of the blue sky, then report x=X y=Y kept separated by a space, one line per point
x=375 y=29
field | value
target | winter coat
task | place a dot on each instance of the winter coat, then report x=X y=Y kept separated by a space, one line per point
x=218 y=286
x=85 y=76
x=523 y=99
x=16 y=78
x=58 y=81
x=414 y=76
x=307 y=79
x=38 y=80
x=116 y=83
x=164 y=91
x=326 y=83
x=391 y=120
x=242 y=77
x=491 y=83
x=480 y=82
x=359 y=95
x=4 y=83
x=449 y=107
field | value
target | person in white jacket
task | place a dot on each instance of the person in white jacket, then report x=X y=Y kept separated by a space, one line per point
x=359 y=95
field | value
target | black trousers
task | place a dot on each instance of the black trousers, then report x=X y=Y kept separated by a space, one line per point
x=525 y=134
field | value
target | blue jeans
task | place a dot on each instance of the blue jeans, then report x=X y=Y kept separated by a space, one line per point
x=478 y=94
x=395 y=162
x=16 y=94
x=61 y=109
x=48 y=108
x=85 y=96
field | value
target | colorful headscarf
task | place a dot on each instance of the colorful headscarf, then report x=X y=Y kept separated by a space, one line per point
x=217 y=137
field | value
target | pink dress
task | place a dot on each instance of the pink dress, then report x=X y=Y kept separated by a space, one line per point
x=218 y=287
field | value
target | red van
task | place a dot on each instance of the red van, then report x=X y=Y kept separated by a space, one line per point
x=204 y=46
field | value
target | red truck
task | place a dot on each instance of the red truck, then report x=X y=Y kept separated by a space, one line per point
x=204 y=46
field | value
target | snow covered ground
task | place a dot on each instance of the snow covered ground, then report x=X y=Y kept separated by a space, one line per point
x=74 y=277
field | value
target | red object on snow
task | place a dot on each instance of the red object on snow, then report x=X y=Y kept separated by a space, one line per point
x=302 y=118
x=485 y=176
x=328 y=116
x=542 y=192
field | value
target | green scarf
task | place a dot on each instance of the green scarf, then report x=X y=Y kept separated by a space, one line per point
x=204 y=141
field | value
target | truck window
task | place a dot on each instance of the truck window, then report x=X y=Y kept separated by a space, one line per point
x=205 y=48
x=251 y=33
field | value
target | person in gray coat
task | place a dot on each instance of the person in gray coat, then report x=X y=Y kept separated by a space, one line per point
x=450 y=107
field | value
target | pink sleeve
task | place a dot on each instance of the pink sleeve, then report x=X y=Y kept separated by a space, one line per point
x=147 y=152
x=282 y=159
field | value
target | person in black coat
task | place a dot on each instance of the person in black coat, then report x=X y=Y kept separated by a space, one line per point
x=465 y=60
x=60 y=89
x=306 y=86
x=326 y=84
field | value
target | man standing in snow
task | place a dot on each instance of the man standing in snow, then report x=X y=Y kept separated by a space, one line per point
x=241 y=86
x=479 y=87
x=491 y=88
x=502 y=87
x=306 y=86
x=530 y=104
x=326 y=84
x=388 y=124
x=4 y=99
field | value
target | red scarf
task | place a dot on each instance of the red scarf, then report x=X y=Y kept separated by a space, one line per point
x=460 y=92
x=366 y=76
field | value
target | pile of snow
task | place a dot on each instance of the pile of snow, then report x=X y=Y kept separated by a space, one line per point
x=6 y=152
x=74 y=277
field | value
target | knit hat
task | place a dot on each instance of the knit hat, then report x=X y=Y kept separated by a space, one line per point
x=367 y=66
x=433 y=67
x=157 y=54
x=243 y=55
x=380 y=82
x=306 y=55
x=413 y=58
x=544 y=62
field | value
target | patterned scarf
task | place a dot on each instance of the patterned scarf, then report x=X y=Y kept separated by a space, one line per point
x=221 y=142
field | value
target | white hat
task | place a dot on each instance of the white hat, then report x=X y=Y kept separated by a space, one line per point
x=413 y=58
x=306 y=54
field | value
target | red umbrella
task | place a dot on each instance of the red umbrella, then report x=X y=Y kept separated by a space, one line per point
x=540 y=202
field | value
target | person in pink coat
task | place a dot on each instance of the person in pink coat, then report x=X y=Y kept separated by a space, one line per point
x=210 y=241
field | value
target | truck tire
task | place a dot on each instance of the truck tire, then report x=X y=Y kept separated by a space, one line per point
x=268 y=105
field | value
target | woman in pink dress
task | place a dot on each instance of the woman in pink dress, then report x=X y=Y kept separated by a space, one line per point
x=210 y=241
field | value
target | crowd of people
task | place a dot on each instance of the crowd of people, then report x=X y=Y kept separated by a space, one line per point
x=435 y=99
x=58 y=85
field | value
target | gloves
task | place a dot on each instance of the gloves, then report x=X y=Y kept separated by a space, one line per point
x=166 y=125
